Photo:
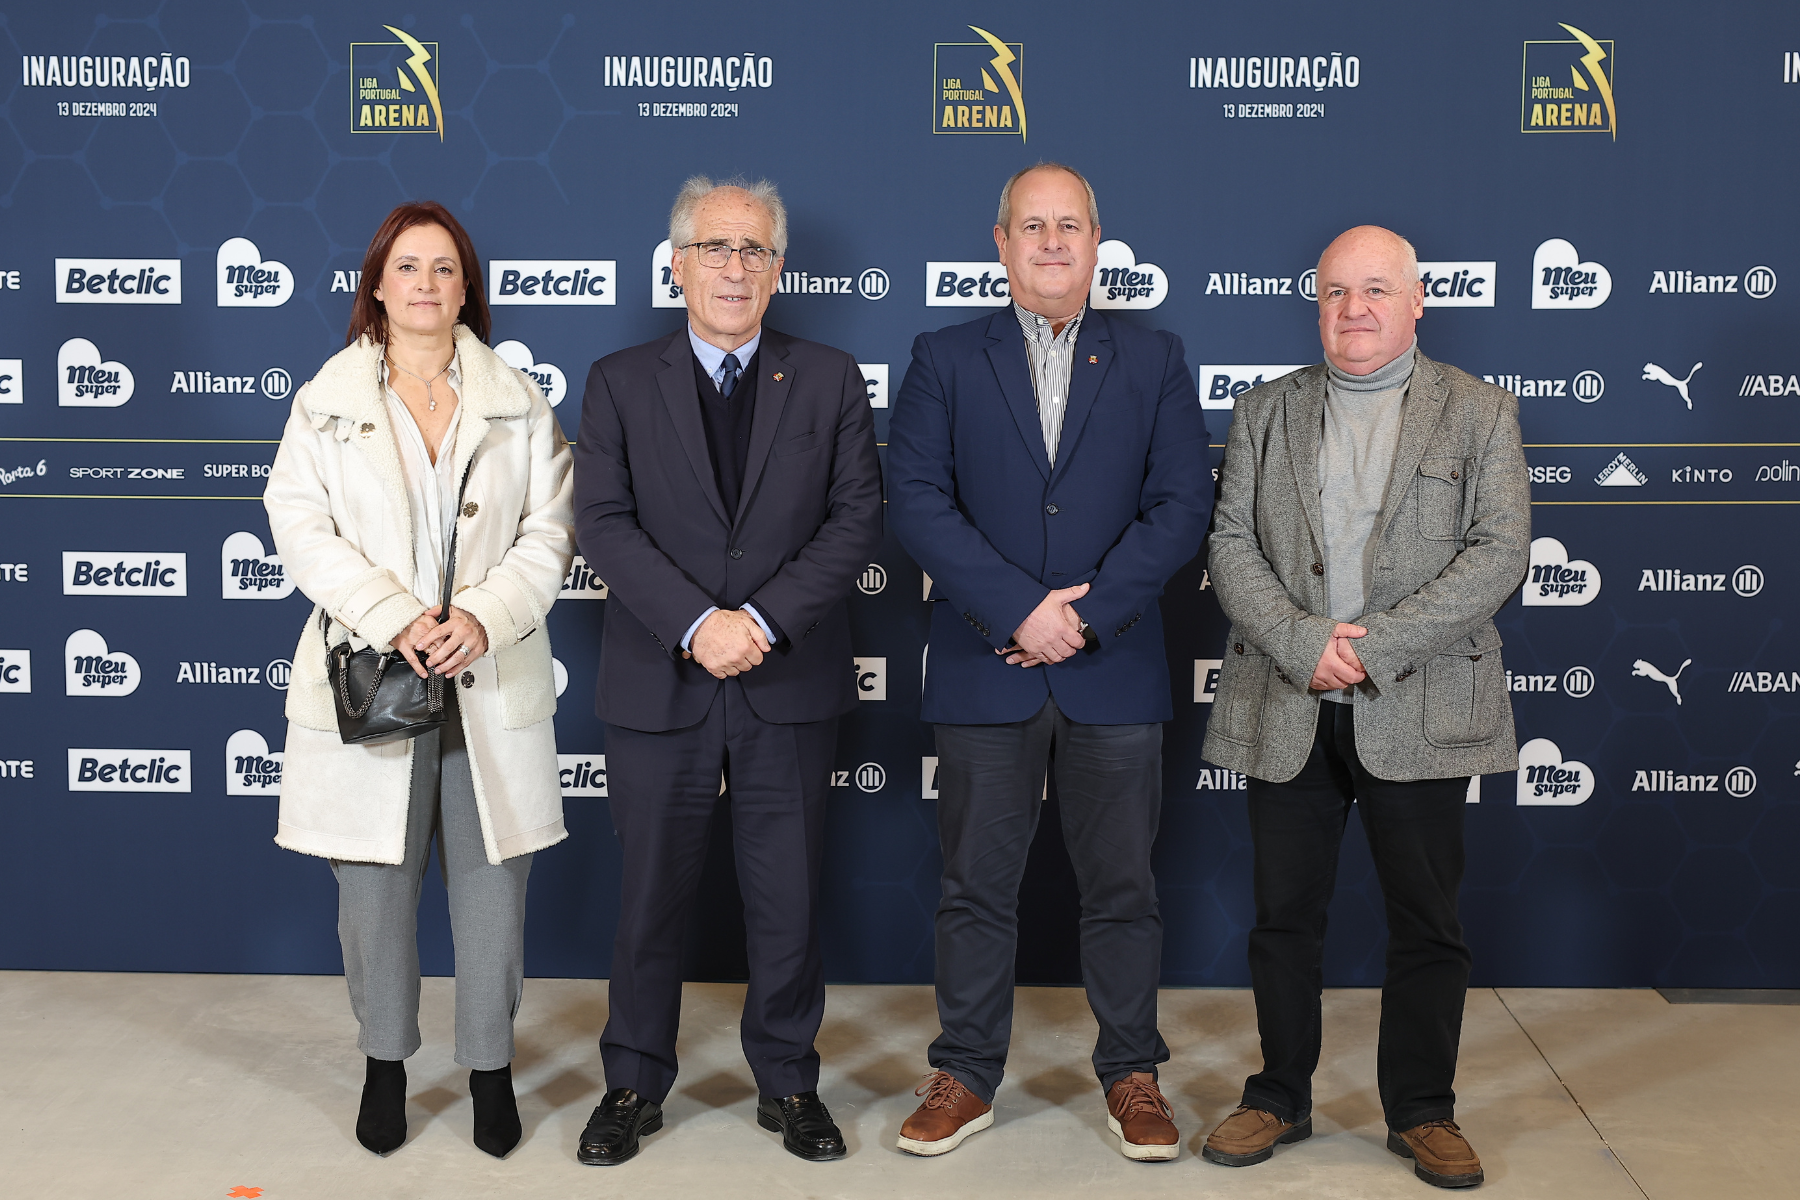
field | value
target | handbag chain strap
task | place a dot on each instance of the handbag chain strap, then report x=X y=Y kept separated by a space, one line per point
x=434 y=682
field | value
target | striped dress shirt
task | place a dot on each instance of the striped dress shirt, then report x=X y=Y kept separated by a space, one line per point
x=1052 y=358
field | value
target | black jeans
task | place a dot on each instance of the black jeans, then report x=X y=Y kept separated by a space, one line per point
x=990 y=789
x=1415 y=833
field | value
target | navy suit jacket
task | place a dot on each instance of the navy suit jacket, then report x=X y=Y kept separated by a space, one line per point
x=650 y=521
x=974 y=500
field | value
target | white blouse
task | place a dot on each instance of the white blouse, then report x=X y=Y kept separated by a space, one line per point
x=430 y=487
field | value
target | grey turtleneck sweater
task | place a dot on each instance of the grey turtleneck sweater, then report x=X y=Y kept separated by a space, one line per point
x=1356 y=457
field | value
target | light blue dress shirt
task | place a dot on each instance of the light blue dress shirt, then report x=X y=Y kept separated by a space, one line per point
x=713 y=359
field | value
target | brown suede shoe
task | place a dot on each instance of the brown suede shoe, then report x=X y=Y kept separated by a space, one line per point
x=1441 y=1155
x=1143 y=1121
x=1249 y=1136
x=950 y=1113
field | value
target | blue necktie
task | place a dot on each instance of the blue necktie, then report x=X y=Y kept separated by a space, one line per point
x=728 y=381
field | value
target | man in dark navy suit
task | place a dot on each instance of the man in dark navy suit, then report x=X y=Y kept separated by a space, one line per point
x=727 y=490
x=1048 y=469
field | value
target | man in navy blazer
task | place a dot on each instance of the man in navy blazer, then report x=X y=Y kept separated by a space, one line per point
x=1048 y=469
x=728 y=491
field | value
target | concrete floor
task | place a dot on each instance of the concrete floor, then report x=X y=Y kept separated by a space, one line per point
x=191 y=1086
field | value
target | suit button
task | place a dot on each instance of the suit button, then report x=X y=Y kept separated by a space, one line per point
x=1475 y=658
x=1318 y=568
x=1239 y=648
x=1051 y=509
x=468 y=679
x=736 y=552
x=1402 y=675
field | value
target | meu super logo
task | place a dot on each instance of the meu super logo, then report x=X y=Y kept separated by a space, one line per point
x=394 y=86
x=978 y=86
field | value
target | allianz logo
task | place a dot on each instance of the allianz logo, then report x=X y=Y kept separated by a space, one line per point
x=274 y=383
x=1585 y=386
x=276 y=673
x=581 y=583
x=1746 y=581
x=1219 y=779
x=1577 y=682
x=1245 y=283
x=1739 y=782
x=1759 y=283
x=871 y=284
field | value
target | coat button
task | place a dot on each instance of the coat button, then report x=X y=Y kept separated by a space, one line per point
x=737 y=552
x=1051 y=509
x=1239 y=648
x=471 y=508
x=368 y=427
x=1456 y=474
x=1402 y=675
x=468 y=679
x=1318 y=568
x=1475 y=658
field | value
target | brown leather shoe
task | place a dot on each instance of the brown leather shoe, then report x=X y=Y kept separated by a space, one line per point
x=1249 y=1136
x=950 y=1113
x=1142 y=1119
x=1441 y=1154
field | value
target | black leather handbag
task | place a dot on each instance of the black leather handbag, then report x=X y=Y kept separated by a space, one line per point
x=395 y=704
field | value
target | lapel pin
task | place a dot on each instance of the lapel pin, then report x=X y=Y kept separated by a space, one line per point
x=1093 y=358
x=778 y=377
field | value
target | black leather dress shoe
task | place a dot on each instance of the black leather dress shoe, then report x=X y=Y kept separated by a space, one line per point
x=613 y=1131
x=805 y=1125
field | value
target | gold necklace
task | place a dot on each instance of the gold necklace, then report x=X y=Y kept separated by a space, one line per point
x=430 y=400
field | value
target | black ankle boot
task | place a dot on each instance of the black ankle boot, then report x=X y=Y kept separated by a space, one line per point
x=381 y=1122
x=497 y=1128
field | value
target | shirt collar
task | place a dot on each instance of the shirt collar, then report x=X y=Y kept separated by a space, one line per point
x=712 y=358
x=1032 y=323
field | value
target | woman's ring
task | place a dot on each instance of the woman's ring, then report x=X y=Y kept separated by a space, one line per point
x=465 y=649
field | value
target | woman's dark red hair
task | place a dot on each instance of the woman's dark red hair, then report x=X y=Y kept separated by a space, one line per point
x=369 y=316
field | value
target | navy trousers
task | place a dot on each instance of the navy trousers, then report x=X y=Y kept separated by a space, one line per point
x=663 y=788
x=1415 y=833
x=990 y=789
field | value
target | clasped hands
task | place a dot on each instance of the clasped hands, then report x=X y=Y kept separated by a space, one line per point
x=440 y=644
x=1051 y=633
x=1338 y=665
x=729 y=642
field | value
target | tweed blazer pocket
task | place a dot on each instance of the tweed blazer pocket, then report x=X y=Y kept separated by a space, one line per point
x=1440 y=491
x=1465 y=693
x=1243 y=688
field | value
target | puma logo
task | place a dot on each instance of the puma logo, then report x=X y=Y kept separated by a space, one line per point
x=1649 y=670
x=1652 y=371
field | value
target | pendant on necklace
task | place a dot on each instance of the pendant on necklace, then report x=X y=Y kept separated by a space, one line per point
x=432 y=405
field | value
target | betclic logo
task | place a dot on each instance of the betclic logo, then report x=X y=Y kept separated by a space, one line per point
x=118 y=281
x=130 y=770
x=123 y=573
x=1458 y=284
x=12 y=376
x=1221 y=385
x=15 y=670
x=966 y=285
x=551 y=280
x=582 y=775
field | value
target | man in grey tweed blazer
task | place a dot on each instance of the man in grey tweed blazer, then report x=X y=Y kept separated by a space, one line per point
x=1374 y=513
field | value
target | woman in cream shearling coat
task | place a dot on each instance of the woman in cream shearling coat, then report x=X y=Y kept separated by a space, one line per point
x=362 y=501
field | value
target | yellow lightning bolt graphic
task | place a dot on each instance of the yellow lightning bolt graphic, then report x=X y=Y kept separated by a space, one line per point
x=421 y=56
x=1591 y=60
x=1003 y=56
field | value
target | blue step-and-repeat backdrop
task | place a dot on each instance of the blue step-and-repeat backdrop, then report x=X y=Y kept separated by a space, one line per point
x=1602 y=193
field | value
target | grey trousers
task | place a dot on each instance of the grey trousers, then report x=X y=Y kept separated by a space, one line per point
x=378 y=918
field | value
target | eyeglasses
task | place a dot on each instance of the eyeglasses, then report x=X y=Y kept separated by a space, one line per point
x=717 y=254
x=1374 y=295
